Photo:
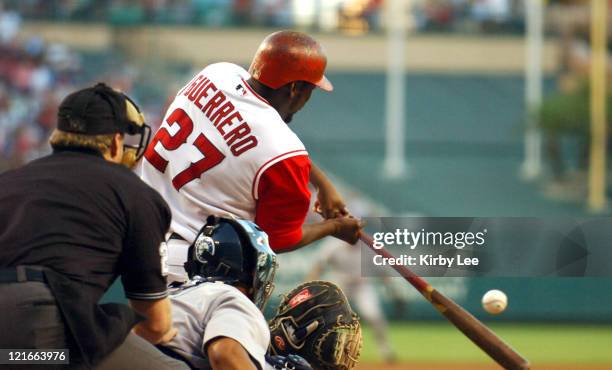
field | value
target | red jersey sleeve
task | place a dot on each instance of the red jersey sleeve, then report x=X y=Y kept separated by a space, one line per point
x=283 y=201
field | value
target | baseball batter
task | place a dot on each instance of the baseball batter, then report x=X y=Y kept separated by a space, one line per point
x=225 y=149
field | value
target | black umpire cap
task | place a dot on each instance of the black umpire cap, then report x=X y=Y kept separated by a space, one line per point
x=99 y=110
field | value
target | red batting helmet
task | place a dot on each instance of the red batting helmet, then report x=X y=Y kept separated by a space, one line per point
x=288 y=56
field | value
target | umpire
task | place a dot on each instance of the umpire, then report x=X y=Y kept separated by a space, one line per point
x=70 y=224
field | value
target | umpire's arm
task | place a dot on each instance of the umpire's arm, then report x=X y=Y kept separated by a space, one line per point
x=157 y=328
x=142 y=265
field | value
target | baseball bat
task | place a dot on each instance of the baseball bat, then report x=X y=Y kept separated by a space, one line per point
x=478 y=333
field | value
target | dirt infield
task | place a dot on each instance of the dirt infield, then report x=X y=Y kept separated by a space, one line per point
x=417 y=366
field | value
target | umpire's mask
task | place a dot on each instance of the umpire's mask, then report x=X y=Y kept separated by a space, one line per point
x=101 y=110
x=137 y=134
x=234 y=252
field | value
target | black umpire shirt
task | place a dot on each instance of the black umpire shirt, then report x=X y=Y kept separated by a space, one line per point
x=86 y=218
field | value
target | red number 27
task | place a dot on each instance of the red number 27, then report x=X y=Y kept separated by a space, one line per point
x=212 y=155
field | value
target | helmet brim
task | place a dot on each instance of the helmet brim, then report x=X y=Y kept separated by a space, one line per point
x=325 y=84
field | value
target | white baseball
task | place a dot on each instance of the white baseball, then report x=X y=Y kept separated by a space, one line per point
x=494 y=301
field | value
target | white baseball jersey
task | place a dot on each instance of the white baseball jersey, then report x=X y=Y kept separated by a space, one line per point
x=212 y=310
x=217 y=139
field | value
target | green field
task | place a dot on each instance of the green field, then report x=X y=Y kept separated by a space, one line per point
x=541 y=344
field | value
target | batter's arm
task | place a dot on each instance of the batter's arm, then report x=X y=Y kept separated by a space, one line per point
x=343 y=228
x=329 y=201
x=227 y=354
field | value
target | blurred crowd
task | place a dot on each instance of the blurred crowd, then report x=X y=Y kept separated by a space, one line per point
x=33 y=76
x=327 y=15
x=490 y=16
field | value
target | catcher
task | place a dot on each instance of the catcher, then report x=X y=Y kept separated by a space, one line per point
x=218 y=313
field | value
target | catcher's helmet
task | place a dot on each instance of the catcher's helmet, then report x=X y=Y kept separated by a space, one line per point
x=288 y=56
x=234 y=251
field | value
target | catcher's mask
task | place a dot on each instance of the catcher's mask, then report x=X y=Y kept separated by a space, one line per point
x=234 y=252
x=102 y=110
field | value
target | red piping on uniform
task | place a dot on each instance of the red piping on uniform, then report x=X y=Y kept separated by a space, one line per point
x=265 y=164
x=254 y=93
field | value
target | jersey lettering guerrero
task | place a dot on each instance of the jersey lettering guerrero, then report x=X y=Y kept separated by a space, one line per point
x=223 y=150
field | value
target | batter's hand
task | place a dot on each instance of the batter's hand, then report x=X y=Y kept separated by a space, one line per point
x=347 y=229
x=329 y=203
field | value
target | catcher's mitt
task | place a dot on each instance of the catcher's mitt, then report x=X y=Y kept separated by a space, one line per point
x=316 y=322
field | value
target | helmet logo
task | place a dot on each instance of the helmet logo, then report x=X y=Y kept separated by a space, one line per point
x=280 y=342
x=204 y=245
x=302 y=296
